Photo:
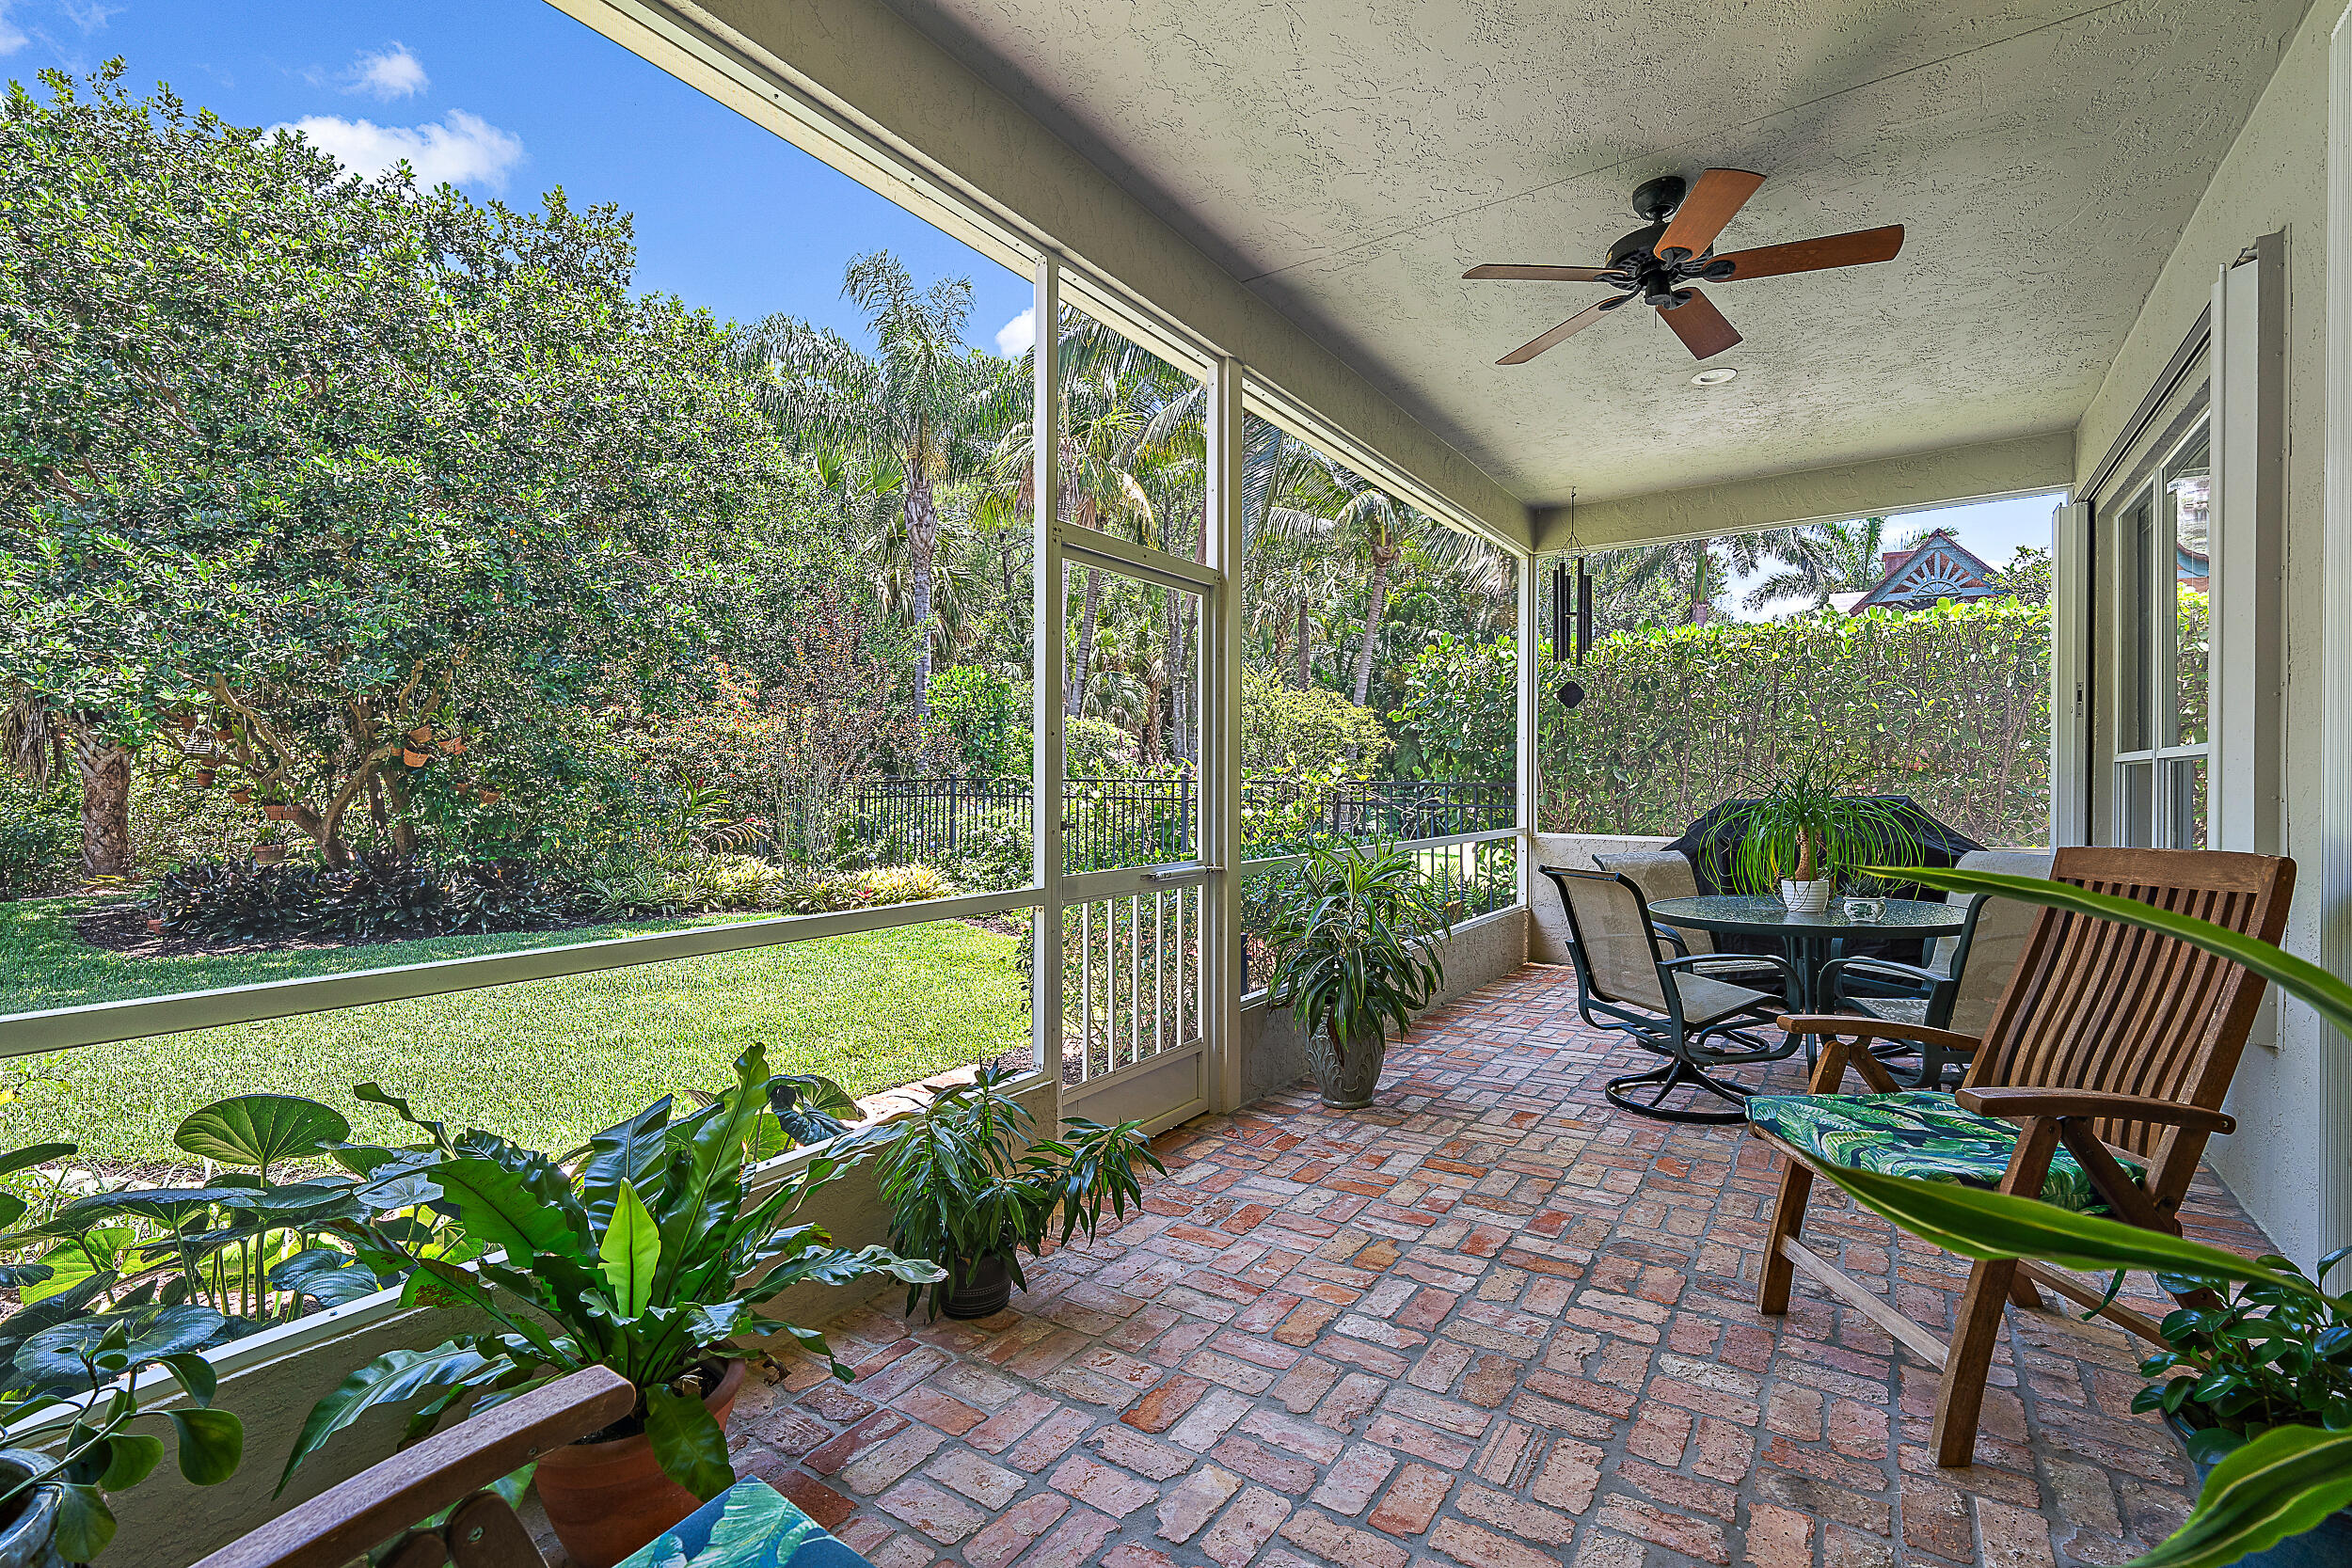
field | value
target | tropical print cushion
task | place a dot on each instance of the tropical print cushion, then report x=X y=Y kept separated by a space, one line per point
x=1919 y=1134
x=750 y=1525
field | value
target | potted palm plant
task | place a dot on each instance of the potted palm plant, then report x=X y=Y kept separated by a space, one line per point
x=1807 y=831
x=647 y=1252
x=2259 y=1386
x=1352 y=939
x=970 y=1188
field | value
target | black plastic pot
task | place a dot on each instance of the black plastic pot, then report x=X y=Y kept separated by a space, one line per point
x=983 y=1288
x=28 y=1538
x=2328 y=1546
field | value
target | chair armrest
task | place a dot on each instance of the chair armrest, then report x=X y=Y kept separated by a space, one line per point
x=2021 y=1102
x=1734 y=960
x=344 y=1521
x=1854 y=1026
x=1838 y=969
x=1667 y=933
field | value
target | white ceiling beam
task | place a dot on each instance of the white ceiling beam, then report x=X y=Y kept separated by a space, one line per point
x=1879 y=487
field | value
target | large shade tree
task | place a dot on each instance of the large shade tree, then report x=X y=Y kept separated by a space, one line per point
x=298 y=462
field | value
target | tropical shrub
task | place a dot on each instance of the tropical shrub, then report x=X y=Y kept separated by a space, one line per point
x=1285 y=730
x=39 y=839
x=967 y=1183
x=978 y=723
x=377 y=900
x=1459 y=718
x=649 y=1258
x=1949 y=706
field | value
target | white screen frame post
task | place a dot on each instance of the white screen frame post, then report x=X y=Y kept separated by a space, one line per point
x=1046 y=678
x=1220 y=738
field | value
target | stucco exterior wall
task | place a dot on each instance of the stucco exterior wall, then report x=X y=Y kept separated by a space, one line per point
x=2272 y=179
x=1547 y=924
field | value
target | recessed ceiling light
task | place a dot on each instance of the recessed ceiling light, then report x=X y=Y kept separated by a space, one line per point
x=1715 y=377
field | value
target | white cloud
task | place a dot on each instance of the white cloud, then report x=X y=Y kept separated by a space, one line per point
x=11 y=36
x=1019 y=334
x=385 y=74
x=462 y=148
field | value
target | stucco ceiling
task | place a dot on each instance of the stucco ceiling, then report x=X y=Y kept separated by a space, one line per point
x=1347 y=159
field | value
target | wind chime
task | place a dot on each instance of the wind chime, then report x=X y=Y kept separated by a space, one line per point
x=1576 y=634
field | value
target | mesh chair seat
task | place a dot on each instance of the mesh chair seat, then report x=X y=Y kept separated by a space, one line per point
x=1894 y=1009
x=1706 y=1001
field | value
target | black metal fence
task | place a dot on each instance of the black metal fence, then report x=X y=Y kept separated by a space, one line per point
x=1114 y=822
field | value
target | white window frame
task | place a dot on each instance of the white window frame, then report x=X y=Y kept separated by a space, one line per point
x=2161 y=646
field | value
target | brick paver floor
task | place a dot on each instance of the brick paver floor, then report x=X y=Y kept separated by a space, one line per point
x=1489 y=1322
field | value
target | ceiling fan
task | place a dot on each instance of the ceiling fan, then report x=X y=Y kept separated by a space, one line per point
x=1656 y=265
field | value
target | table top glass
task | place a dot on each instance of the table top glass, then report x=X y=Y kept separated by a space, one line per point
x=1727 y=913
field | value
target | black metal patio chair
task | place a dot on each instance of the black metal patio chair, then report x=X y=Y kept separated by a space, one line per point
x=1628 y=985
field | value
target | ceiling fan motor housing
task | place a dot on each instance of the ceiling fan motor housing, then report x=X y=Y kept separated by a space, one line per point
x=1656 y=199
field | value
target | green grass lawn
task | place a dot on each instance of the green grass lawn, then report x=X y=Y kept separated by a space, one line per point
x=546 y=1062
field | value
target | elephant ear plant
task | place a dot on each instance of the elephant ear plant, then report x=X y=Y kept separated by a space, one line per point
x=648 y=1259
x=1352 y=937
x=2264 y=1384
x=968 y=1188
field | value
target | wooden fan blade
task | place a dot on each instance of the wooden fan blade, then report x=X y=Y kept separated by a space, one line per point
x=1828 y=250
x=1540 y=274
x=1719 y=194
x=1568 y=328
x=1700 y=327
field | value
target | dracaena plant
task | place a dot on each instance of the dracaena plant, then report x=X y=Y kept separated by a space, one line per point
x=966 y=1181
x=1352 y=935
x=2261 y=1381
x=1807 y=823
x=648 y=1259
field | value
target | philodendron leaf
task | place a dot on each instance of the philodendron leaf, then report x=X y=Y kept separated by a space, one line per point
x=131 y=1458
x=1975 y=1223
x=330 y=1277
x=2278 y=1485
x=84 y=1524
x=260 y=1130
x=35 y=1155
x=630 y=1249
x=211 y=1445
x=687 y=1443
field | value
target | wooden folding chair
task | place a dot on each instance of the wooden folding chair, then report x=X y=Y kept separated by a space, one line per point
x=449 y=1470
x=2111 y=1047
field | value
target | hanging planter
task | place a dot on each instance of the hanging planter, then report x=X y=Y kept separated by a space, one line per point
x=278 y=811
x=455 y=745
x=243 y=797
x=489 y=797
x=204 y=778
x=269 y=854
x=414 y=758
x=421 y=736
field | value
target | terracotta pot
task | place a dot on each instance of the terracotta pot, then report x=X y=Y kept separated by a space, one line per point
x=154 y=927
x=607 y=1500
x=454 y=746
x=489 y=797
x=278 y=811
x=421 y=735
x=413 y=757
x=243 y=797
x=204 y=778
x=269 y=854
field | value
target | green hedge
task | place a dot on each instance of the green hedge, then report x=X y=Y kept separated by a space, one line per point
x=1949 y=706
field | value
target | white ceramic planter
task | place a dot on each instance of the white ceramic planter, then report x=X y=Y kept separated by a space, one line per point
x=1806 y=897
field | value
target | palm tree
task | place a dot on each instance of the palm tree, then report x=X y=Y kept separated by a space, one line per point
x=1701 y=570
x=924 y=404
x=1840 y=557
x=1323 y=499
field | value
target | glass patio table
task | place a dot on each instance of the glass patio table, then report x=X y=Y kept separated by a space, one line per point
x=1809 y=941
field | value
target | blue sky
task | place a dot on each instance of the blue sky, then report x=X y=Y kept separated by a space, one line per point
x=507 y=98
